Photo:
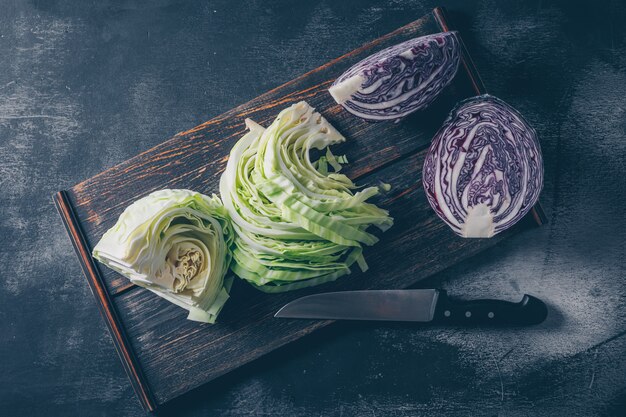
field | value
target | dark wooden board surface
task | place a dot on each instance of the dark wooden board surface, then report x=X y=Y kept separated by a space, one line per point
x=177 y=355
x=164 y=354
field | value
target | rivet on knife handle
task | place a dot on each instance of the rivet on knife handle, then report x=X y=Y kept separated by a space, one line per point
x=530 y=310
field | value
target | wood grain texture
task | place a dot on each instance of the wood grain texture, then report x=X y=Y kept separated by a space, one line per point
x=177 y=355
x=103 y=299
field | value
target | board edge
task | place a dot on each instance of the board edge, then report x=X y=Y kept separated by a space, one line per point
x=105 y=305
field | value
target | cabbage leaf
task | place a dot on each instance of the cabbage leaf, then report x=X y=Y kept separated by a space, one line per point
x=174 y=243
x=296 y=223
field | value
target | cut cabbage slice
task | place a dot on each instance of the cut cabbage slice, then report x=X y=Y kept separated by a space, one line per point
x=296 y=223
x=484 y=169
x=174 y=243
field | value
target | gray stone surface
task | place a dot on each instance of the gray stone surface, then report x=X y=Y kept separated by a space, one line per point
x=86 y=85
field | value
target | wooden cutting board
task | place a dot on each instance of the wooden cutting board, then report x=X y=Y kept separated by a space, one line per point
x=166 y=355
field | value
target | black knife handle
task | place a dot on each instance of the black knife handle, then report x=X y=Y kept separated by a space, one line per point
x=530 y=310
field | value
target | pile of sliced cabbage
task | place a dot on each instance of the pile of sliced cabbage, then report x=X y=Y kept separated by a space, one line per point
x=297 y=221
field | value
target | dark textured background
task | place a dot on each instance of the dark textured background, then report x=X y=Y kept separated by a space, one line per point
x=86 y=85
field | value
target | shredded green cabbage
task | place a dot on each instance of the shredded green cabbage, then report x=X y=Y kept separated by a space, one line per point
x=296 y=224
x=174 y=243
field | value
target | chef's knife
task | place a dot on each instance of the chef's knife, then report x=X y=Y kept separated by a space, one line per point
x=415 y=305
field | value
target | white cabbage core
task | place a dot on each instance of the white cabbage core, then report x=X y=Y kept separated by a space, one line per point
x=479 y=222
x=343 y=91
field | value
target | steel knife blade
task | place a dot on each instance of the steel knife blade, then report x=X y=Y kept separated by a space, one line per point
x=417 y=305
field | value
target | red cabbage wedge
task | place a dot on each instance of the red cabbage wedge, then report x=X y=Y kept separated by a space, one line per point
x=484 y=169
x=400 y=79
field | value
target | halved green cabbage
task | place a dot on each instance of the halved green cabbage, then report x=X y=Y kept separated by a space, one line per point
x=174 y=243
x=296 y=224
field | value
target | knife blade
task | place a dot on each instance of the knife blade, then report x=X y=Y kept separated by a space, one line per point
x=423 y=305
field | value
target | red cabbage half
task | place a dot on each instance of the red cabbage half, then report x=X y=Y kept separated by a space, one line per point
x=400 y=79
x=484 y=169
